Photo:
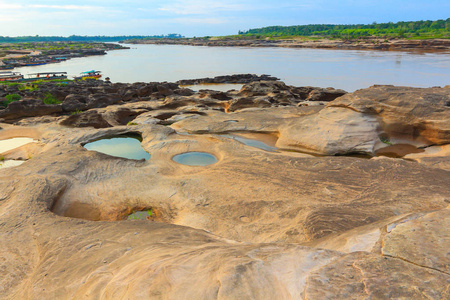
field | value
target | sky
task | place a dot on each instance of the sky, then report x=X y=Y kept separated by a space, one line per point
x=200 y=17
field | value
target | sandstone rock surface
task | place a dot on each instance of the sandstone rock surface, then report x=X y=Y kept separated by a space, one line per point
x=256 y=224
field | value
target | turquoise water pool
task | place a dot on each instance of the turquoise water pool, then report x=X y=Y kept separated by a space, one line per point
x=125 y=146
x=195 y=159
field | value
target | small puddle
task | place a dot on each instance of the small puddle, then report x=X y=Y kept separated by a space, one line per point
x=126 y=146
x=256 y=140
x=10 y=163
x=220 y=87
x=398 y=150
x=141 y=215
x=195 y=159
x=9 y=144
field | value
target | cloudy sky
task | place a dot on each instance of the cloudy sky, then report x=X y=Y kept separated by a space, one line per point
x=200 y=17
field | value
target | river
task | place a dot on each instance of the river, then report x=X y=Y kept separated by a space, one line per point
x=345 y=69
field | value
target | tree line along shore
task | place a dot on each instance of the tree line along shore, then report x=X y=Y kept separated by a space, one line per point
x=422 y=35
x=414 y=35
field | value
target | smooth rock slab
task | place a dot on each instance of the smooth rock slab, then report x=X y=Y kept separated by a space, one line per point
x=331 y=131
x=424 y=241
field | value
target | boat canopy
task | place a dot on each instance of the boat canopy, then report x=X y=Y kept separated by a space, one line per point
x=9 y=73
x=49 y=73
x=89 y=72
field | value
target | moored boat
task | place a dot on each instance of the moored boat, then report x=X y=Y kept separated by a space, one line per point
x=89 y=75
x=33 y=63
x=45 y=76
x=6 y=67
x=10 y=76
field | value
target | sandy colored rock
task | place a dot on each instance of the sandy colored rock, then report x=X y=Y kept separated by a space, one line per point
x=419 y=115
x=331 y=131
x=256 y=224
x=363 y=276
x=434 y=156
x=422 y=241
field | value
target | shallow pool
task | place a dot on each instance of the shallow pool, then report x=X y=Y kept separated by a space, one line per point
x=221 y=87
x=195 y=159
x=10 y=163
x=141 y=215
x=9 y=144
x=251 y=142
x=126 y=146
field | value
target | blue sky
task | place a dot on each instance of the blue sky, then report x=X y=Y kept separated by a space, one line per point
x=200 y=17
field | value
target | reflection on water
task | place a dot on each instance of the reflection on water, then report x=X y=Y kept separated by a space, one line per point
x=398 y=150
x=251 y=142
x=195 y=159
x=126 y=146
x=345 y=69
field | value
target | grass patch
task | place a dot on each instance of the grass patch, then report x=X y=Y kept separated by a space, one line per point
x=28 y=87
x=50 y=99
x=6 y=83
x=10 y=98
x=76 y=112
x=385 y=139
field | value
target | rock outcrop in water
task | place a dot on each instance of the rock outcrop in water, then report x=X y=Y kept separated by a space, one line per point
x=256 y=224
x=237 y=78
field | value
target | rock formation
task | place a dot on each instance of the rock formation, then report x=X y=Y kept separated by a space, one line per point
x=323 y=216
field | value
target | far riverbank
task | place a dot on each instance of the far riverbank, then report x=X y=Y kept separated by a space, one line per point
x=431 y=45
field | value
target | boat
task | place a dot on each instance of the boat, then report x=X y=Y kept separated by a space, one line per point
x=6 y=67
x=33 y=63
x=89 y=75
x=10 y=76
x=44 y=76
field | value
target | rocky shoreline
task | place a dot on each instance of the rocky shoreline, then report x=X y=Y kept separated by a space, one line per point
x=362 y=44
x=351 y=202
x=18 y=58
x=78 y=96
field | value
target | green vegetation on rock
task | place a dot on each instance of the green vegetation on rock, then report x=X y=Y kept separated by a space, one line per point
x=50 y=99
x=10 y=98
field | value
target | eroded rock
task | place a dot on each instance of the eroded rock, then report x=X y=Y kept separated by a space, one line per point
x=255 y=224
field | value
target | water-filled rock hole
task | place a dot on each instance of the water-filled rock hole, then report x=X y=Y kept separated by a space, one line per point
x=257 y=140
x=147 y=214
x=9 y=144
x=195 y=159
x=125 y=146
x=398 y=150
x=220 y=87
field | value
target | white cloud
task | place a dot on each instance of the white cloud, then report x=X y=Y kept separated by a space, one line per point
x=201 y=7
x=209 y=21
x=67 y=7
x=7 y=6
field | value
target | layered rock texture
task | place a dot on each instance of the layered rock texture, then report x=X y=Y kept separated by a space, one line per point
x=349 y=200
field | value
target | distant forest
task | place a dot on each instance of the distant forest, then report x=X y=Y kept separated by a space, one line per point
x=416 y=29
x=79 y=38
